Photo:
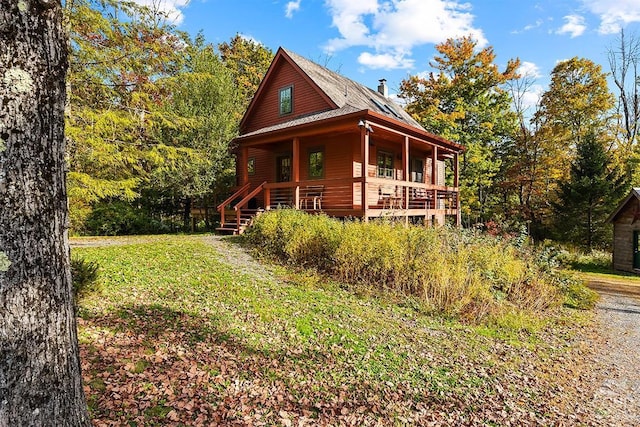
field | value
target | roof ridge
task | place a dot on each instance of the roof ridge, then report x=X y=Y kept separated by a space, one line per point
x=343 y=90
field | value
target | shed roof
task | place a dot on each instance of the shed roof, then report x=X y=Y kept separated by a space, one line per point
x=633 y=194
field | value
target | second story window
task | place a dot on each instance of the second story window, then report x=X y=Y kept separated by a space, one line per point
x=286 y=100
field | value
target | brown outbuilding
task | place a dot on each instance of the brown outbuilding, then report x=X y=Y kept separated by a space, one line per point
x=626 y=233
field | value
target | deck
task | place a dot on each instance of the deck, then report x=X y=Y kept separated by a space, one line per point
x=385 y=198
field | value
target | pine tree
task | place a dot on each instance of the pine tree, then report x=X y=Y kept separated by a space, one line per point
x=589 y=195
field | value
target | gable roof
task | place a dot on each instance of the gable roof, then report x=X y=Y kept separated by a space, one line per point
x=345 y=94
x=635 y=193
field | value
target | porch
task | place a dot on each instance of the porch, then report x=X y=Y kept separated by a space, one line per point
x=404 y=201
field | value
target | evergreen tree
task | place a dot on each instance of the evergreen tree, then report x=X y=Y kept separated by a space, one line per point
x=585 y=200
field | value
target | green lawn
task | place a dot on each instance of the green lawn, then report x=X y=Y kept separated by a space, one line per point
x=178 y=334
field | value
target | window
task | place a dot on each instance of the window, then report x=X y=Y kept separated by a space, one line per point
x=417 y=170
x=316 y=163
x=286 y=100
x=283 y=171
x=251 y=165
x=385 y=165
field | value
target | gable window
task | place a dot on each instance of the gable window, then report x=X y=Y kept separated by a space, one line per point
x=251 y=166
x=316 y=163
x=286 y=100
x=385 y=165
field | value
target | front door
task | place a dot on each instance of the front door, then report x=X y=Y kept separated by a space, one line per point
x=636 y=249
x=283 y=168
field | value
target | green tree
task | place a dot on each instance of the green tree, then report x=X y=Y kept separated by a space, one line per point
x=529 y=175
x=151 y=115
x=577 y=102
x=119 y=51
x=585 y=200
x=465 y=101
x=248 y=62
x=199 y=120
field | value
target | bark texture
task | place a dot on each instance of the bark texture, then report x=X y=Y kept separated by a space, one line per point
x=40 y=377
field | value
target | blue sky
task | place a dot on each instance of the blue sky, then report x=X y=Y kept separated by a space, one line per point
x=367 y=40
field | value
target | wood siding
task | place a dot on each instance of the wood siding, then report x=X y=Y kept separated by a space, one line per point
x=623 y=227
x=306 y=99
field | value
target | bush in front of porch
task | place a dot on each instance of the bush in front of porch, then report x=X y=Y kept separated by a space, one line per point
x=458 y=273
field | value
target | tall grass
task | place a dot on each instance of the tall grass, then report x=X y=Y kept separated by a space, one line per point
x=456 y=273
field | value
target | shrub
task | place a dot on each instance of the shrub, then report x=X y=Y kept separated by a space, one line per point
x=116 y=218
x=84 y=276
x=466 y=274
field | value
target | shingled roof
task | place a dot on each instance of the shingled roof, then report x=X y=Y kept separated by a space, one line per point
x=346 y=93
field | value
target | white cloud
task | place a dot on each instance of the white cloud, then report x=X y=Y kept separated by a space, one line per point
x=394 y=27
x=529 y=27
x=614 y=14
x=574 y=26
x=171 y=8
x=529 y=69
x=292 y=6
x=384 y=61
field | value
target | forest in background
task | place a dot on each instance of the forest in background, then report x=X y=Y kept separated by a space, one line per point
x=152 y=111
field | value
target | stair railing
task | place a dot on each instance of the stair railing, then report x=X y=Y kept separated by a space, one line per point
x=221 y=206
x=238 y=207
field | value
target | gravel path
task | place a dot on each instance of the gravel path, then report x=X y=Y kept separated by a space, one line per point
x=618 y=397
x=239 y=259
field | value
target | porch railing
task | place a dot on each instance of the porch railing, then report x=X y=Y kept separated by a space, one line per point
x=412 y=198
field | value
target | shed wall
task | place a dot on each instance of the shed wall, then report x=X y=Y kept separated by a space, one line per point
x=623 y=228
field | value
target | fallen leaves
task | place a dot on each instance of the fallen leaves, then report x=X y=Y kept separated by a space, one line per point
x=351 y=362
x=170 y=380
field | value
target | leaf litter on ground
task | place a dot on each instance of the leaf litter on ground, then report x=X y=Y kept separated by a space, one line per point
x=190 y=330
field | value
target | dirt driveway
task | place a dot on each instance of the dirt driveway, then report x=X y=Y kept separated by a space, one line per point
x=617 y=399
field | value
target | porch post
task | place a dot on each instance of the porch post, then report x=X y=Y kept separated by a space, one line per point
x=434 y=166
x=295 y=170
x=364 y=152
x=407 y=177
x=456 y=183
x=455 y=170
x=244 y=164
x=434 y=175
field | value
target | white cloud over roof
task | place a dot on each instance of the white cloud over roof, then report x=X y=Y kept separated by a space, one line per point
x=614 y=14
x=393 y=28
x=574 y=26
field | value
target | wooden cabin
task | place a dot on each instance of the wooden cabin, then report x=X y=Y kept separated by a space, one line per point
x=626 y=233
x=312 y=139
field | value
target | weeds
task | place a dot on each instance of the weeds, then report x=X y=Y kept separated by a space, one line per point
x=465 y=274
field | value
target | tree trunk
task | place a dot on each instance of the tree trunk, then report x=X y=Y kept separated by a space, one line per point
x=40 y=377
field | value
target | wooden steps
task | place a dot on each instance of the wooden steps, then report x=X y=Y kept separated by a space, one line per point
x=231 y=224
